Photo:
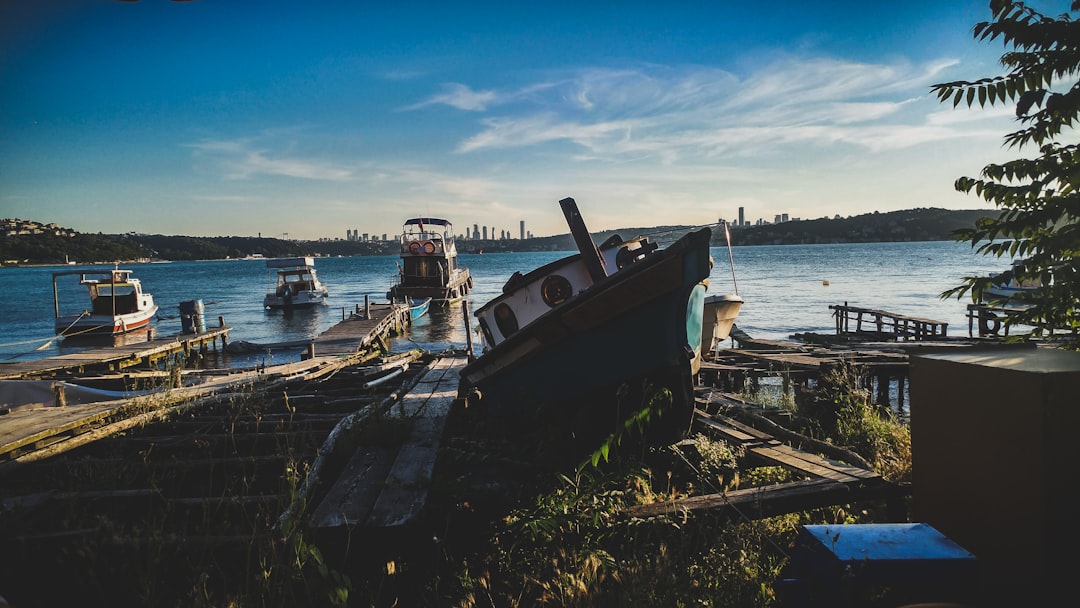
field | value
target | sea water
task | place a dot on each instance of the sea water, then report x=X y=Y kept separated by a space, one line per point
x=787 y=289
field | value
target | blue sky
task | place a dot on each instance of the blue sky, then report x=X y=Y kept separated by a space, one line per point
x=231 y=117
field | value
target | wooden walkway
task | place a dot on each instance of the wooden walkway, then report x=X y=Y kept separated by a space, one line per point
x=386 y=486
x=886 y=324
x=825 y=482
x=28 y=433
x=115 y=358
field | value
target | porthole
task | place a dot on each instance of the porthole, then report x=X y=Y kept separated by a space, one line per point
x=555 y=290
x=505 y=320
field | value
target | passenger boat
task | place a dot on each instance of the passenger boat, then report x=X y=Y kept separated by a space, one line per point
x=429 y=266
x=561 y=340
x=418 y=309
x=293 y=283
x=118 y=304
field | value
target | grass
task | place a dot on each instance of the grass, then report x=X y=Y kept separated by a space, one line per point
x=555 y=538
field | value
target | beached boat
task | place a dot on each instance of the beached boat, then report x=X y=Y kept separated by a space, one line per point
x=562 y=339
x=118 y=304
x=429 y=265
x=720 y=314
x=293 y=283
x=418 y=309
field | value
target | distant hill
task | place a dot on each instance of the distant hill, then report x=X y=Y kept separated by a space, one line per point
x=56 y=245
x=908 y=225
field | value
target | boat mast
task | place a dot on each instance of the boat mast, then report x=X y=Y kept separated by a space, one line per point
x=594 y=263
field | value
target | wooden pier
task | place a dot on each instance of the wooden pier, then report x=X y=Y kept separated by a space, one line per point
x=883 y=324
x=385 y=486
x=116 y=358
x=823 y=481
x=884 y=369
x=28 y=432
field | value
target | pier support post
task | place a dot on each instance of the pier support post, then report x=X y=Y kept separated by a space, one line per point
x=60 y=396
x=468 y=331
x=367 y=307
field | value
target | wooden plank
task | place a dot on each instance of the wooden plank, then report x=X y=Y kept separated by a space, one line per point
x=405 y=494
x=768 y=501
x=350 y=499
x=784 y=456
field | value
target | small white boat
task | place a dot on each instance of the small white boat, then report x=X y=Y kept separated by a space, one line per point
x=118 y=304
x=1006 y=291
x=293 y=283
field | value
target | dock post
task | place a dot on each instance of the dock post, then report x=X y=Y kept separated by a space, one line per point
x=60 y=397
x=468 y=331
x=367 y=307
x=311 y=350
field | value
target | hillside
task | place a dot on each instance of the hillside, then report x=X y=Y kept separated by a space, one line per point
x=55 y=245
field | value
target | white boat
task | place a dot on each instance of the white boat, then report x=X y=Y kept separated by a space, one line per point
x=720 y=314
x=1006 y=291
x=118 y=304
x=428 y=266
x=293 y=283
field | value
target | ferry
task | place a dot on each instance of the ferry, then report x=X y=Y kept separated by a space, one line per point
x=428 y=267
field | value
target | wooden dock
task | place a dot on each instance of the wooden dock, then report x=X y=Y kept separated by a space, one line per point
x=27 y=433
x=116 y=358
x=824 y=482
x=884 y=324
x=385 y=486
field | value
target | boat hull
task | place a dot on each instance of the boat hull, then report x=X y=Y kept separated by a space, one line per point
x=304 y=299
x=417 y=310
x=420 y=288
x=720 y=314
x=642 y=325
x=104 y=325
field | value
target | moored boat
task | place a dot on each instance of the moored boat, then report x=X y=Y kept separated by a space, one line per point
x=118 y=304
x=293 y=283
x=562 y=339
x=429 y=266
x=418 y=309
x=1005 y=290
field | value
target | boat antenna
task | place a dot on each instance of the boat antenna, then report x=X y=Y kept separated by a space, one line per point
x=731 y=257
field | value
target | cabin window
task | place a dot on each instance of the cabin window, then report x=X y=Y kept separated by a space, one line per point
x=505 y=320
x=487 y=332
x=555 y=290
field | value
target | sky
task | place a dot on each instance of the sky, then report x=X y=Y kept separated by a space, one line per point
x=307 y=119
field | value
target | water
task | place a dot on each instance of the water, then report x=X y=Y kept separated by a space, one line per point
x=783 y=287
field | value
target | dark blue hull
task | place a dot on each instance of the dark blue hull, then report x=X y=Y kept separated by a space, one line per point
x=641 y=325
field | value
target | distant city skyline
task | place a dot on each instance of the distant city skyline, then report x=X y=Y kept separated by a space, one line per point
x=231 y=118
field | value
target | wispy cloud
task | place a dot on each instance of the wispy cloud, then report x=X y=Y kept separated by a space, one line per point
x=240 y=160
x=689 y=111
x=458 y=96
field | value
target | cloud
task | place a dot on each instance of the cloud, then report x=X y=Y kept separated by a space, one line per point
x=240 y=160
x=458 y=96
x=669 y=113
